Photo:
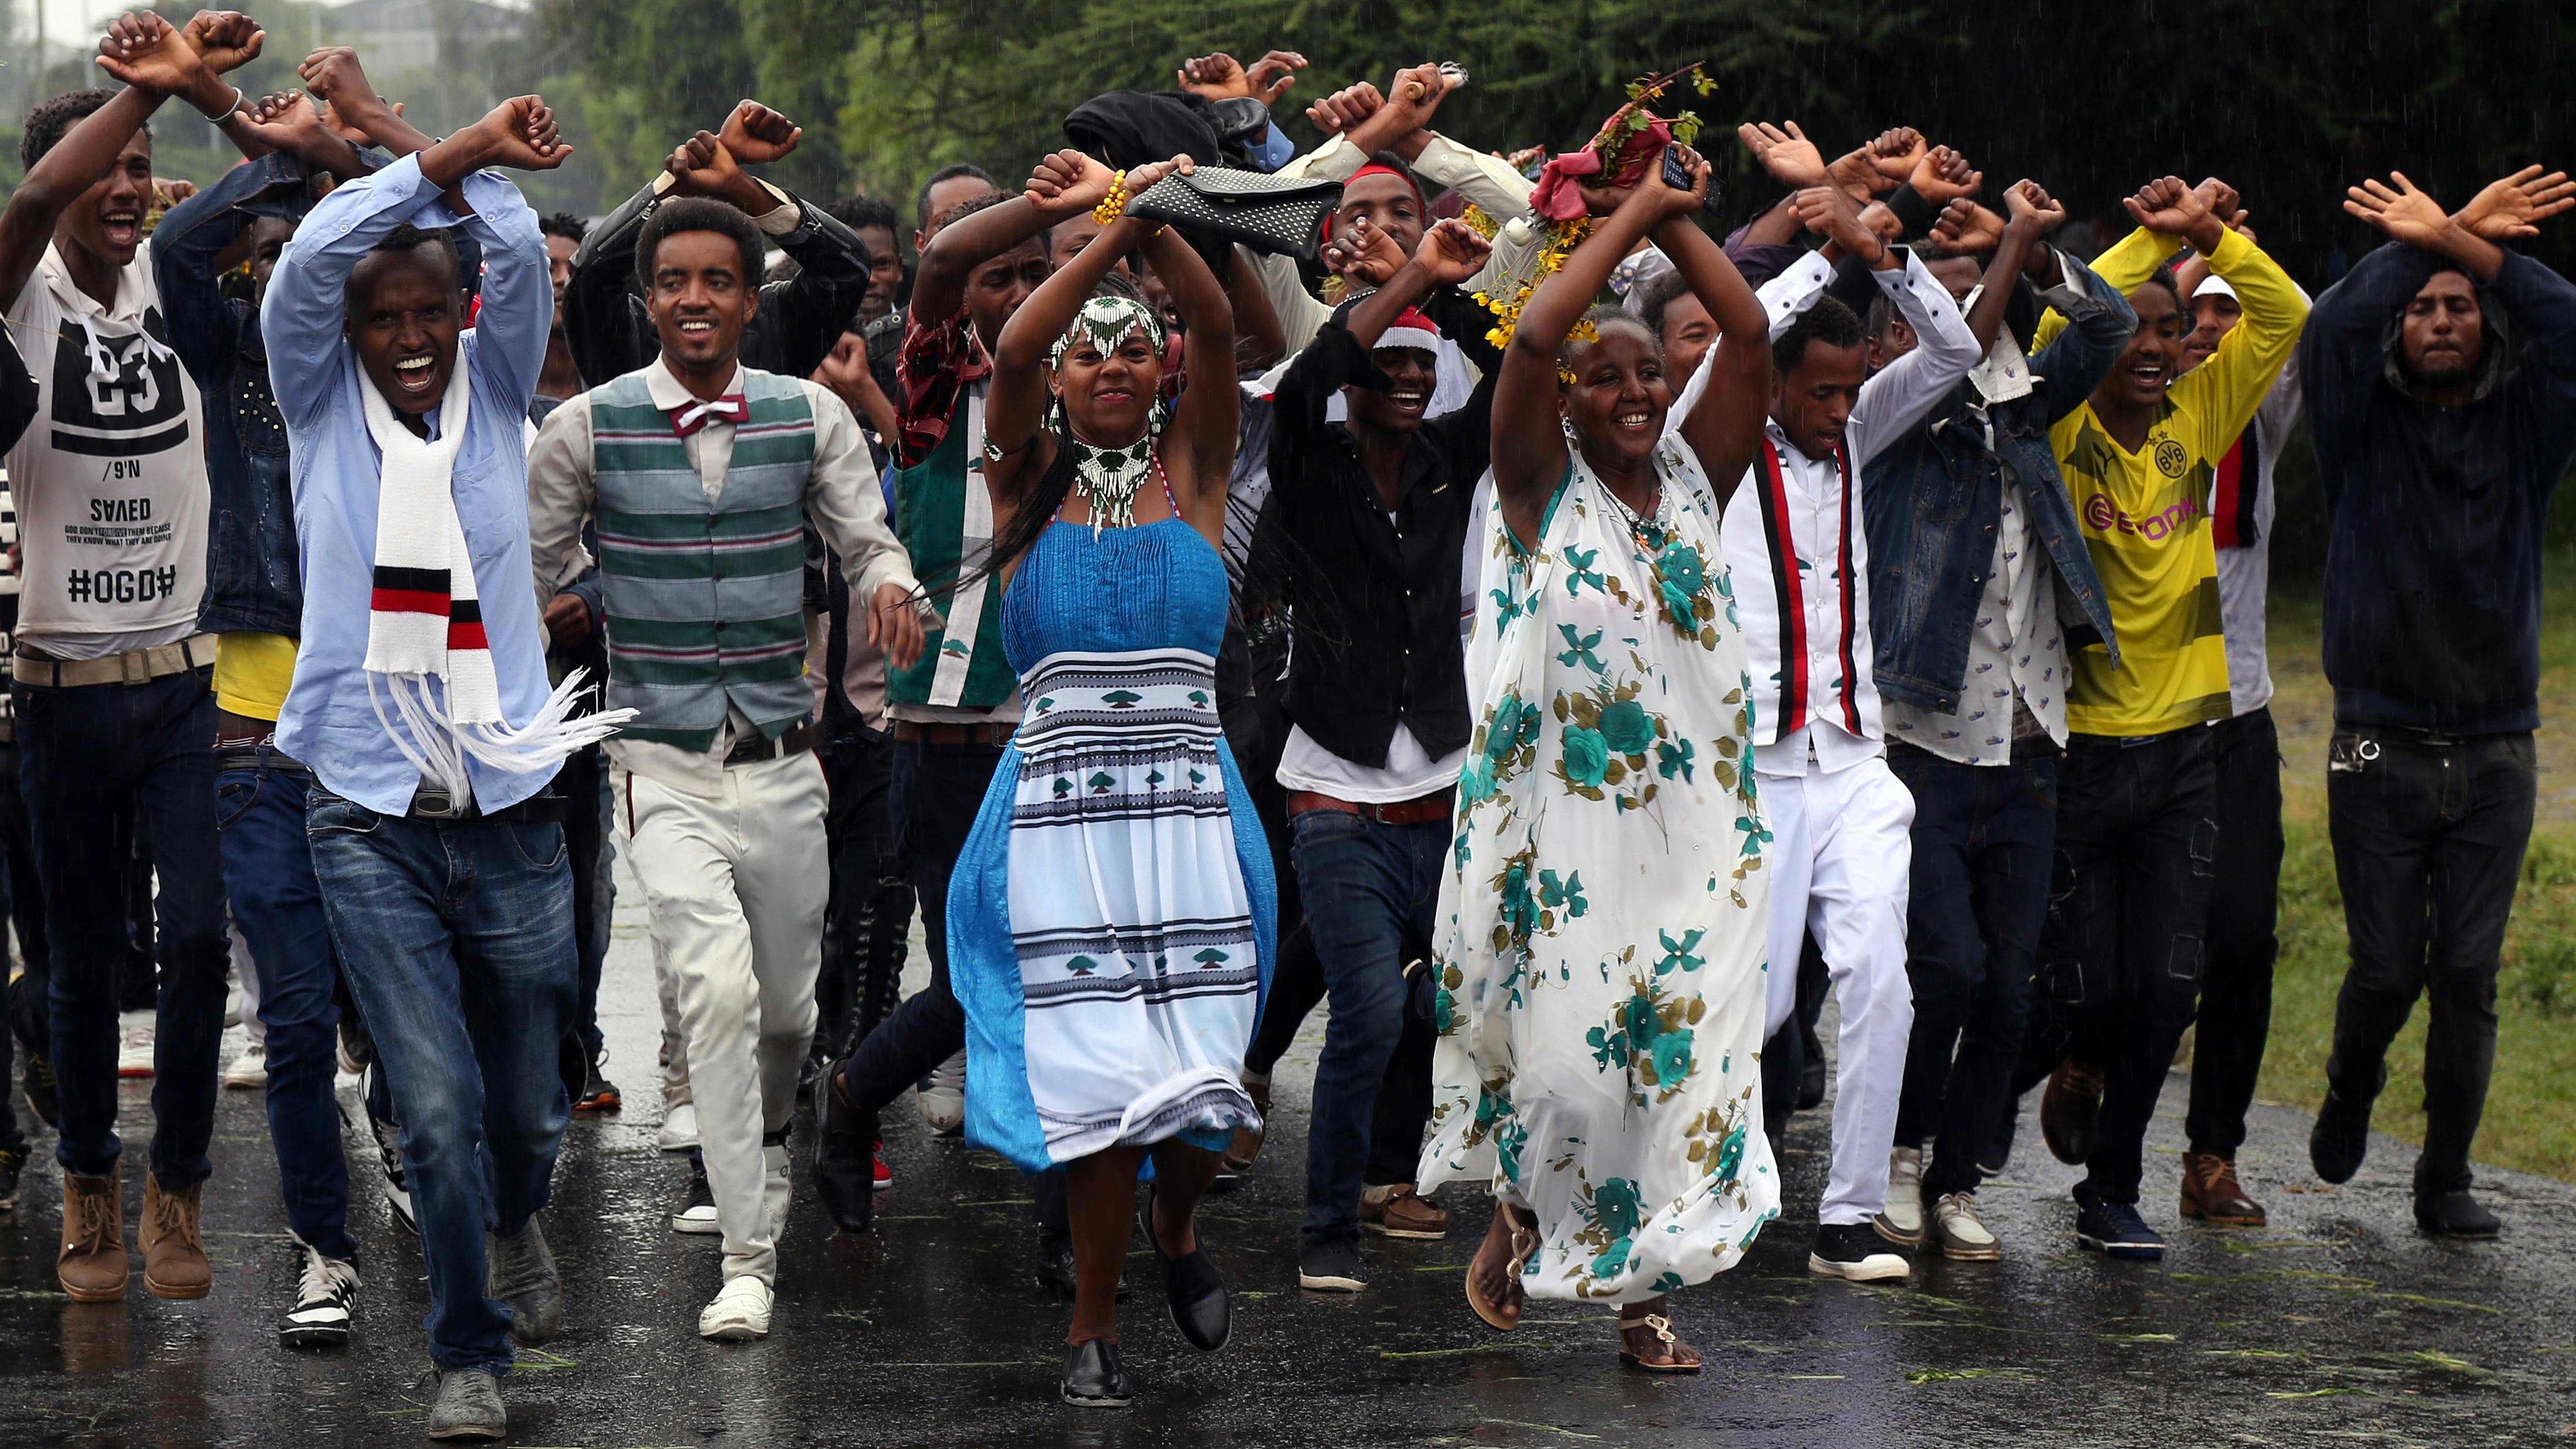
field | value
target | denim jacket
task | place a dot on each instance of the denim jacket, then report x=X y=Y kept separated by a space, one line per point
x=1934 y=498
x=251 y=574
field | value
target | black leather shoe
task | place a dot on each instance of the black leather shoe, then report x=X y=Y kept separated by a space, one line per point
x=2341 y=1137
x=2456 y=1215
x=1200 y=1309
x=2069 y=1110
x=1094 y=1377
x=845 y=1164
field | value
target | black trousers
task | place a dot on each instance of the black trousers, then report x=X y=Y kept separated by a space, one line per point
x=1985 y=839
x=871 y=903
x=936 y=791
x=2244 y=912
x=2128 y=911
x=2428 y=841
x=29 y=999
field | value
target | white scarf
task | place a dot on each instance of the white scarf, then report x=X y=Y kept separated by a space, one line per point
x=425 y=618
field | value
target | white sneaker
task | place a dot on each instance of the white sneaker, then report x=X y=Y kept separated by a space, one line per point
x=943 y=1097
x=679 y=1128
x=1901 y=1220
x=696 y=1213
x=232 y=1008
x=250 y=1069
x=740 y=1311
x=134 y=1047
x=326 y=1293
x=1962 y=1235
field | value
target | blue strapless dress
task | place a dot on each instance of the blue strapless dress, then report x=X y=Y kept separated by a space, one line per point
x=1112 y=920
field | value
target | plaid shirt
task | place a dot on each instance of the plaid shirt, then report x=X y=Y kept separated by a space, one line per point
x=933 y=367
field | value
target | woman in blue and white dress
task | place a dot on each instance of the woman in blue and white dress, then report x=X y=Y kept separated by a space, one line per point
x=1111 y=920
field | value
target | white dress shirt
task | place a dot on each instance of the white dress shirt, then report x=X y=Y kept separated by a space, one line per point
x=1803 y=545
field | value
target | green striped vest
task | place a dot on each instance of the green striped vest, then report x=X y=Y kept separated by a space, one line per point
x=941 y=522
x=705 y=601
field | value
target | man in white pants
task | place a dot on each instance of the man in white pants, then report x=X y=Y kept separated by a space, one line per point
x=1839 y=818
x=702 y=472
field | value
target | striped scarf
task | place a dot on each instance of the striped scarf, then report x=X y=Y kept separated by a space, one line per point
x=425 y=618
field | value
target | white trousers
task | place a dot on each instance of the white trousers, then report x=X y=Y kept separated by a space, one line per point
x=1842 y=854
x=736 y=885
x=246 y=971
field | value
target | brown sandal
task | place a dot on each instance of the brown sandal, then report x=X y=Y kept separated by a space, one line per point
x=1524 y=1245
x=1672 y=1362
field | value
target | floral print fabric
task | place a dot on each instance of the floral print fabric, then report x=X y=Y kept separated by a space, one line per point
x=1601 y=990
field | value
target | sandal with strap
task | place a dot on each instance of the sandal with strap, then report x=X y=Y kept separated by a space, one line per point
x=1671 y=1363
x=1524 y=1245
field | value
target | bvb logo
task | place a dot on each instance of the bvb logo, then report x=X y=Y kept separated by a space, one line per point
x=2172 y=458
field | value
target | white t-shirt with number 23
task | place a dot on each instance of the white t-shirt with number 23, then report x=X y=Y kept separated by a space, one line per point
x=111 y=476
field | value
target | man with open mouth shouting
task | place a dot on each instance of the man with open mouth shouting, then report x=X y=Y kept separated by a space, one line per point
x=113 y=690
x=1363 y=534
x=2120 y=957
x=425 y=715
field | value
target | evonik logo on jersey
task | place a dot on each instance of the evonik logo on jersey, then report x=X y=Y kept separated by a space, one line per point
x=116 y=394
x=2104 y=516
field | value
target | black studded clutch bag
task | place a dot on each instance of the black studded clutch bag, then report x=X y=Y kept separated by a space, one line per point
x=1278 y=214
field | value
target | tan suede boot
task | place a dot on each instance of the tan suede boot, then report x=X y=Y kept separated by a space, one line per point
x=92 y=1265
x=174 y=1255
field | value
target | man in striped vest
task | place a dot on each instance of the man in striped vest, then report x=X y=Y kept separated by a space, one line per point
x=701 y=472
x=1798 y=551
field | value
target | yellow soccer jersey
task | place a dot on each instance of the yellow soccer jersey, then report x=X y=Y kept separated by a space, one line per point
x=2145 y=515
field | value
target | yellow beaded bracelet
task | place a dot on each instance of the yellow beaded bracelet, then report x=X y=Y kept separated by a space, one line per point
x=1114 y=203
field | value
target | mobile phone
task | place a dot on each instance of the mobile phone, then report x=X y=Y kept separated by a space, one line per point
x=1678 y=177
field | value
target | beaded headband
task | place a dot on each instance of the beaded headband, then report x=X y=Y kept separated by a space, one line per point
x=1106 y=322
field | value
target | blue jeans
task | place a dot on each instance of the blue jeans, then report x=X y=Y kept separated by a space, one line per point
x=457 y=936
x=277 y=903
x=99 y=763
x=1985 y=838
x=1370 y=891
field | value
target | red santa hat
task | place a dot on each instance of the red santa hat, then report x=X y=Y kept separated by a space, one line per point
x=1410 y=329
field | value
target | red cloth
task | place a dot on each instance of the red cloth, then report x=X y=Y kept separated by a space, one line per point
x=2227 y=506
x=932 y=371
x=1558 y=195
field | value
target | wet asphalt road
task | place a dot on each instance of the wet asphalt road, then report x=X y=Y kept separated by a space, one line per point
x=2337 y=1323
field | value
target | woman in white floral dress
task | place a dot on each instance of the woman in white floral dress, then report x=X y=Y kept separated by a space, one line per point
x=1601 y=1000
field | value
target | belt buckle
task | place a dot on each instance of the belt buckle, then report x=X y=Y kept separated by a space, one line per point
x=434 y=802
x=135 y=665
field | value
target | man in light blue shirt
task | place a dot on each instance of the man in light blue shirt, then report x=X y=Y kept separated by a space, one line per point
x=451 y=909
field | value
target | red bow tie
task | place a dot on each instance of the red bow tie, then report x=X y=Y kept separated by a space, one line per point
x=730 y=409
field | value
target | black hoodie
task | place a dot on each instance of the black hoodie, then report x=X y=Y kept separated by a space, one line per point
x=2433 y=572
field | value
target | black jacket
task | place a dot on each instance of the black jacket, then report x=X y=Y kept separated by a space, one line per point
x=796 y=327
x=1374 y=600
x=17 y=393
x=2433 y=545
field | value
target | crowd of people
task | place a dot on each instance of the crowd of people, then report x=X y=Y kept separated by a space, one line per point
x=1568 y=646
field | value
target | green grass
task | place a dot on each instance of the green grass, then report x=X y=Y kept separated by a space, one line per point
x=2530 y=1119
